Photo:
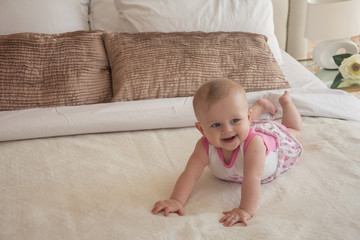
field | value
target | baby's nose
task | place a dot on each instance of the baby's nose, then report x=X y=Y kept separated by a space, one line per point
x=227 y=128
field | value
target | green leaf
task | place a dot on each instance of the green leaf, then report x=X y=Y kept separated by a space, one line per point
x=340 y=57
x=337 y=81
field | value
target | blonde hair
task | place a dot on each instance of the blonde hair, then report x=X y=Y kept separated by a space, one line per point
x=214 y=90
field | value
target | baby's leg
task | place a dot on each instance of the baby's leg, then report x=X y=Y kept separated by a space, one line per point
x=291 y=116
x=262 y=106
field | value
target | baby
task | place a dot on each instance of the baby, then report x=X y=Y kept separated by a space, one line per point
x=236 y=147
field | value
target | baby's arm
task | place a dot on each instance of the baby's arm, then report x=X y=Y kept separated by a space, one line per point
x=185 y=183
x=250 y=188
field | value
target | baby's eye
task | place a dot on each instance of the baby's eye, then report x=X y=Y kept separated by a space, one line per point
x=235 y=120
x=216 y=125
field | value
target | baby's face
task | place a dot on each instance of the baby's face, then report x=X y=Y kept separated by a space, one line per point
x=226 y=122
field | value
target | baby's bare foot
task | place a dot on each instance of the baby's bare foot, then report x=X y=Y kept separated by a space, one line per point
x=266 y=106
x=285 y=98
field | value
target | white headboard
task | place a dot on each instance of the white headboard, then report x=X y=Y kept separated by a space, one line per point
x=289 y=21
x=281 y=11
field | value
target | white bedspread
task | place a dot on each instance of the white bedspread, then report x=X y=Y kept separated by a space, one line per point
x=103 y=186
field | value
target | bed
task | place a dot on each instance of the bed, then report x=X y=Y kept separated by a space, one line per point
x=95 y=171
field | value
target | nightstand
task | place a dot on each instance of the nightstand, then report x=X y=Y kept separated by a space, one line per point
x=327 y=76
x=310 y=65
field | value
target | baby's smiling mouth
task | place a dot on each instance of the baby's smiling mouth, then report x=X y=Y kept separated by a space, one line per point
x=229 y=139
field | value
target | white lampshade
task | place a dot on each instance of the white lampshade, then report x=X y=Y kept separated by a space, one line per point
x=333 y=22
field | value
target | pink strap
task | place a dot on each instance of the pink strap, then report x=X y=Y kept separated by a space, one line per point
x=236 y=152
x=269 y=141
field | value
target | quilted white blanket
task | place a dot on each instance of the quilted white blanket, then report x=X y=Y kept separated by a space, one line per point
x=103 y=186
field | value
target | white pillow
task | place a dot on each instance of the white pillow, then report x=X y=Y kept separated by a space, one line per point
x=254 y=16
x=103 y=16
x=43 y=16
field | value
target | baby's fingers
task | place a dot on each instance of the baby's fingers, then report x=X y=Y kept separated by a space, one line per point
x=156 y=209
x=159 y=206
x=166 y=211
x=223 y=219
x=167 y=207
x=229 y=220
x=181 y=212
x=244 y=221
x=171 y=209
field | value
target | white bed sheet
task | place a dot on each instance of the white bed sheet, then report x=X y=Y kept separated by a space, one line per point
x=310 y=95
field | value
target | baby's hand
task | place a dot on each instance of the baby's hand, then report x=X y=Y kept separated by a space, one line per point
x=168 y=206
x=234 y=216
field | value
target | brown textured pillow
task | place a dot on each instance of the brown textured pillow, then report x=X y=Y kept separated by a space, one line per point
x=163 y=65
x=43 y=70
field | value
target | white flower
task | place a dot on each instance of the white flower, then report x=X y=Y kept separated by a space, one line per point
x=350 y=68
x=350 y=81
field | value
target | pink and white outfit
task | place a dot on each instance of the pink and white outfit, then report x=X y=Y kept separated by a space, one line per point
x=282 y=151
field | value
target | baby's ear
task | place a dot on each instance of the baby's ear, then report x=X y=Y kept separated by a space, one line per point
x=198 y=126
